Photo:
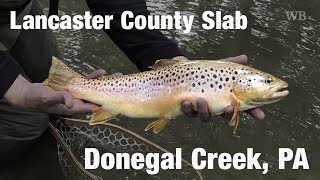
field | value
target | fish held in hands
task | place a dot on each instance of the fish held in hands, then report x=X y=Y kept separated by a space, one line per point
x=159 y=93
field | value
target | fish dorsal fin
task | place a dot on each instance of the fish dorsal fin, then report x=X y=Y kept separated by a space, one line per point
x=164 y=62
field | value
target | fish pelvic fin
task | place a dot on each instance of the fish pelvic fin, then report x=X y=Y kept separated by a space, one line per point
x=157 y=125
x=100 y=116
x=59 y=75
x=234 y=122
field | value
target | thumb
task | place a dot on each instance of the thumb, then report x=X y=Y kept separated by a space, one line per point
x=62 y=97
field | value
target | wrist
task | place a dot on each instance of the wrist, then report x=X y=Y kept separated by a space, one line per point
x=16 y=94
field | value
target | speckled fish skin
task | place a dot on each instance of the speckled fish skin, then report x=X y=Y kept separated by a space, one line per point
x=160 y=92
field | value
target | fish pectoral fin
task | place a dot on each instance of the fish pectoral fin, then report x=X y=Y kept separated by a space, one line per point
x=235 y=116
x=99 y=116
x=157 y=125
x=235 y=127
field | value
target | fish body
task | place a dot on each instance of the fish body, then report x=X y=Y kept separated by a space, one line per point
x=159 y=93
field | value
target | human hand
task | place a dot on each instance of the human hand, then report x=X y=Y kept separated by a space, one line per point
x=38 y=97
x=203 y=112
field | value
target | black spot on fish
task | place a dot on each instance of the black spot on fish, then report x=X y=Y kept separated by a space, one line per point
x=215 y=76
x=202 y=90
x=193 y=85
x=221 y=70
x=211 y=69
x=227 y=79
x=199 y=83
x=211 y=85
x=220 y=86
x=236 y=72
x=233 y=78
x=197 y=76
x=202 y=76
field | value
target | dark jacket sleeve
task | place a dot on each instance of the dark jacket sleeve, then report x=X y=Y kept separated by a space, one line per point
x=143 y=47
x=9 y=71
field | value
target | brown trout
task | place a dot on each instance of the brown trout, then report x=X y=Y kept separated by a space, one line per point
x=159 y=93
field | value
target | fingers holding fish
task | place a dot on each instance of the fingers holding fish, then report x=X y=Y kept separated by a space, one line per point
x=228 y=111
x=116 y=74
x=203 y=110
x=60 y=97
x=187 y=109
x=96 y=74
x=242 y=59
x=257 y=113
x=100 y=73
x=80 y=107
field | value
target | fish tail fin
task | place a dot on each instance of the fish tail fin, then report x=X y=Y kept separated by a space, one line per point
x=60 y=75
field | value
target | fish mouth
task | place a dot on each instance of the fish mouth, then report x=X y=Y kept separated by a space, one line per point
x=277 y=92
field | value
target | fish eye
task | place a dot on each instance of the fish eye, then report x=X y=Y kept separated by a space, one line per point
x=269 y=80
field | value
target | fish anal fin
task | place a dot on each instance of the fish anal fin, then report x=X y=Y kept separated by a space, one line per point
x=100 y=116
x=234 y=122
x=163 y=63
x=157 y=125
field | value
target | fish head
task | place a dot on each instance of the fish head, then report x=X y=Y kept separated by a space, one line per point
x=256 y=89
